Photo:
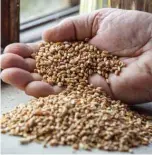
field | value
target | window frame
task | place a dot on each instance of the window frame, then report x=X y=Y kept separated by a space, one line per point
x=11 y=27
x=9 y=22
x=40 y=24
x=48 y=18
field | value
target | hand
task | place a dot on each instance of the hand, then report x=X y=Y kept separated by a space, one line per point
x=127 y=34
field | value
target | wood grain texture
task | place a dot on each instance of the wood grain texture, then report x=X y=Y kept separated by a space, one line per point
x=142 y=5
x=9 y=22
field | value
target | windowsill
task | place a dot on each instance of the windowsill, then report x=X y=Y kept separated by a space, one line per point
x=34 y=34
x=31 y=32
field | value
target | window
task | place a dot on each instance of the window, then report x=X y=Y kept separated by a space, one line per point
x=30 y=10
x=27 y=19
x=33 y=24
x=38 y=15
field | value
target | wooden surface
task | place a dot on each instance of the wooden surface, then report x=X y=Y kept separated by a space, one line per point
x=9 y=22
x=142 y=5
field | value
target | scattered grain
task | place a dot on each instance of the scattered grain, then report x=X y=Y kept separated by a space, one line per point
x=80 y=116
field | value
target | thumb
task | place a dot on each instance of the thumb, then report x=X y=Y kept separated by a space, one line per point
x=73 y=28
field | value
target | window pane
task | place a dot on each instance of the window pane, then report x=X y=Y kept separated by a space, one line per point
x=30 y=9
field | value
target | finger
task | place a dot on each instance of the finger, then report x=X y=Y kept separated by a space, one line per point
x=9 y=60
x=58 y=89
x=23 y=50
x=98 y=81
x=36 y=76
x=39 y=89
x=16 y=77
x=75 y=28
x=31 y=64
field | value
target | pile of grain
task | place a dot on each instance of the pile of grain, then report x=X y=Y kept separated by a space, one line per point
x=81 y=116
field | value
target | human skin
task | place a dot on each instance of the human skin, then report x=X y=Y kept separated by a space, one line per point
x=127 y=34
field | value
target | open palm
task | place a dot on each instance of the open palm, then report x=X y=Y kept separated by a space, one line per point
x=127 y=34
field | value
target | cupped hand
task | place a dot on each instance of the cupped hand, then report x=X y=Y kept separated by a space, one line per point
x=127 y=34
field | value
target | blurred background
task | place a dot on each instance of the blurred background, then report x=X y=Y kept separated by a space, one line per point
x=36 y=8
x=25 y=20
x=28 y=11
